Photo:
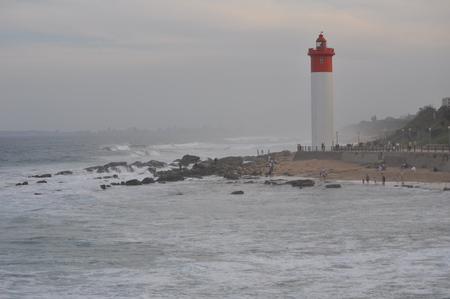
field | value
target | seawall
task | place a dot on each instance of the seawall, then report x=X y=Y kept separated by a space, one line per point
x=391 y=159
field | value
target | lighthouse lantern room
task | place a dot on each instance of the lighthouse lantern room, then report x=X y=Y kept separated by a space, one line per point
x=321 y=94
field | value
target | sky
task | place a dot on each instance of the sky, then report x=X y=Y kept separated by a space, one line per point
x=75 y=65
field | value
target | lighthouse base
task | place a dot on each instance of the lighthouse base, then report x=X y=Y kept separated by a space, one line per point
x=322 y=109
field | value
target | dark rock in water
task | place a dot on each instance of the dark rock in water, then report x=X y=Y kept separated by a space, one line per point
x=147 y=181
x=65 y=172
x=302 y=183
x=103 y=187
x=113 y=166
x=133 y=182
x=170 y=176
x=115 y=184
x=37 y=193
x=98 y=169
x=19 y=184
x=118 y=167
x=24 y=183
x=237 y=192
x=333 y=186
x=152 y=163
x=231 y=176
x=47 y=175
x=41 y=182
x=138 y=164
x=155 y=164
x=189 y=159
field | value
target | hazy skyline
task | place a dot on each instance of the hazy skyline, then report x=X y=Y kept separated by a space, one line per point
x=88 y=65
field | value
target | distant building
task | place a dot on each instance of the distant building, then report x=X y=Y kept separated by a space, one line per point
x=446 y=102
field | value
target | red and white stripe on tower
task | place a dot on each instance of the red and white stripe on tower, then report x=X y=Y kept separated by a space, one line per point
x=321 y=93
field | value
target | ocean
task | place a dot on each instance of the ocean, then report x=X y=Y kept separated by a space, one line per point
x=68 y=238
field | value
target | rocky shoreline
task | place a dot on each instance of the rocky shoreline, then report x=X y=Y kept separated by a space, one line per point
x=231 y=168
x=247 y=168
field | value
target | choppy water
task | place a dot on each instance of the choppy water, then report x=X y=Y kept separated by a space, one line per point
x=193 y=239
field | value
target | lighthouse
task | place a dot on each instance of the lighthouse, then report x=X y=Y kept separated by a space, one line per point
x=321 y=93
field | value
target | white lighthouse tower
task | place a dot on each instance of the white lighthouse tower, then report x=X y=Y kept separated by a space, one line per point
x=321 y=94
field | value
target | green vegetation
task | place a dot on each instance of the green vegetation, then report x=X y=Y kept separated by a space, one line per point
x=429 y=126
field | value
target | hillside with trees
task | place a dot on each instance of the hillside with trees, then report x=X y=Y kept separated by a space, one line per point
x=429 y=126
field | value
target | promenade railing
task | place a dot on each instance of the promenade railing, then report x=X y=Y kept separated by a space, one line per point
x=373 y=148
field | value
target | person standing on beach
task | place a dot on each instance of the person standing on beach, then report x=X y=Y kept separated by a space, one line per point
x=383 y=179
x=367 y=178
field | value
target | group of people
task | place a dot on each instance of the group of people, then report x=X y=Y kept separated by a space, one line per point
x=367 y=179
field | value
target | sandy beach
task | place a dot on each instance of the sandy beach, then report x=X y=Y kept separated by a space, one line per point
x=338 y=170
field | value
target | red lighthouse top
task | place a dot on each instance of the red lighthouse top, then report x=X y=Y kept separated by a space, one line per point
x=321 y=57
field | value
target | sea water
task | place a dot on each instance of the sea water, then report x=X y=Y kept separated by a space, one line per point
x=68 y=238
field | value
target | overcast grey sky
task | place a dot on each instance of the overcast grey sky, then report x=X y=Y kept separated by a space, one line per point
x=74 y=65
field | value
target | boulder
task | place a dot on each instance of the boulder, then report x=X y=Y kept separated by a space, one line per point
x=40 y=176
x=237 y=192
x=231 y=161
x=302 y=183
x=113 y=166
x=231 y=176
x=41 y=182
x=65 y=172
x=147 y=181
x=189 y=159
x=155 y=164
x=333 y=186
x=133 y=182
x=169 y=176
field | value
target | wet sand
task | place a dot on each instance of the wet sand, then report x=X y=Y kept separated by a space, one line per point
x=338 y=170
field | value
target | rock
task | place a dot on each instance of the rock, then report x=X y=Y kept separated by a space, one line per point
x=237 y=192
x=133 y=182
x=147 y=181
x=231 y=176
x=189 y=159
x=302 y=183
x=231 y=161
x=41 y=182
x=47 y=175
x=169 y=176
x=103 y=187
x=65 y=172
x=155 y=164
x=24 y=183
x=446 y=189
x=333 y=186
x=113 y=166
